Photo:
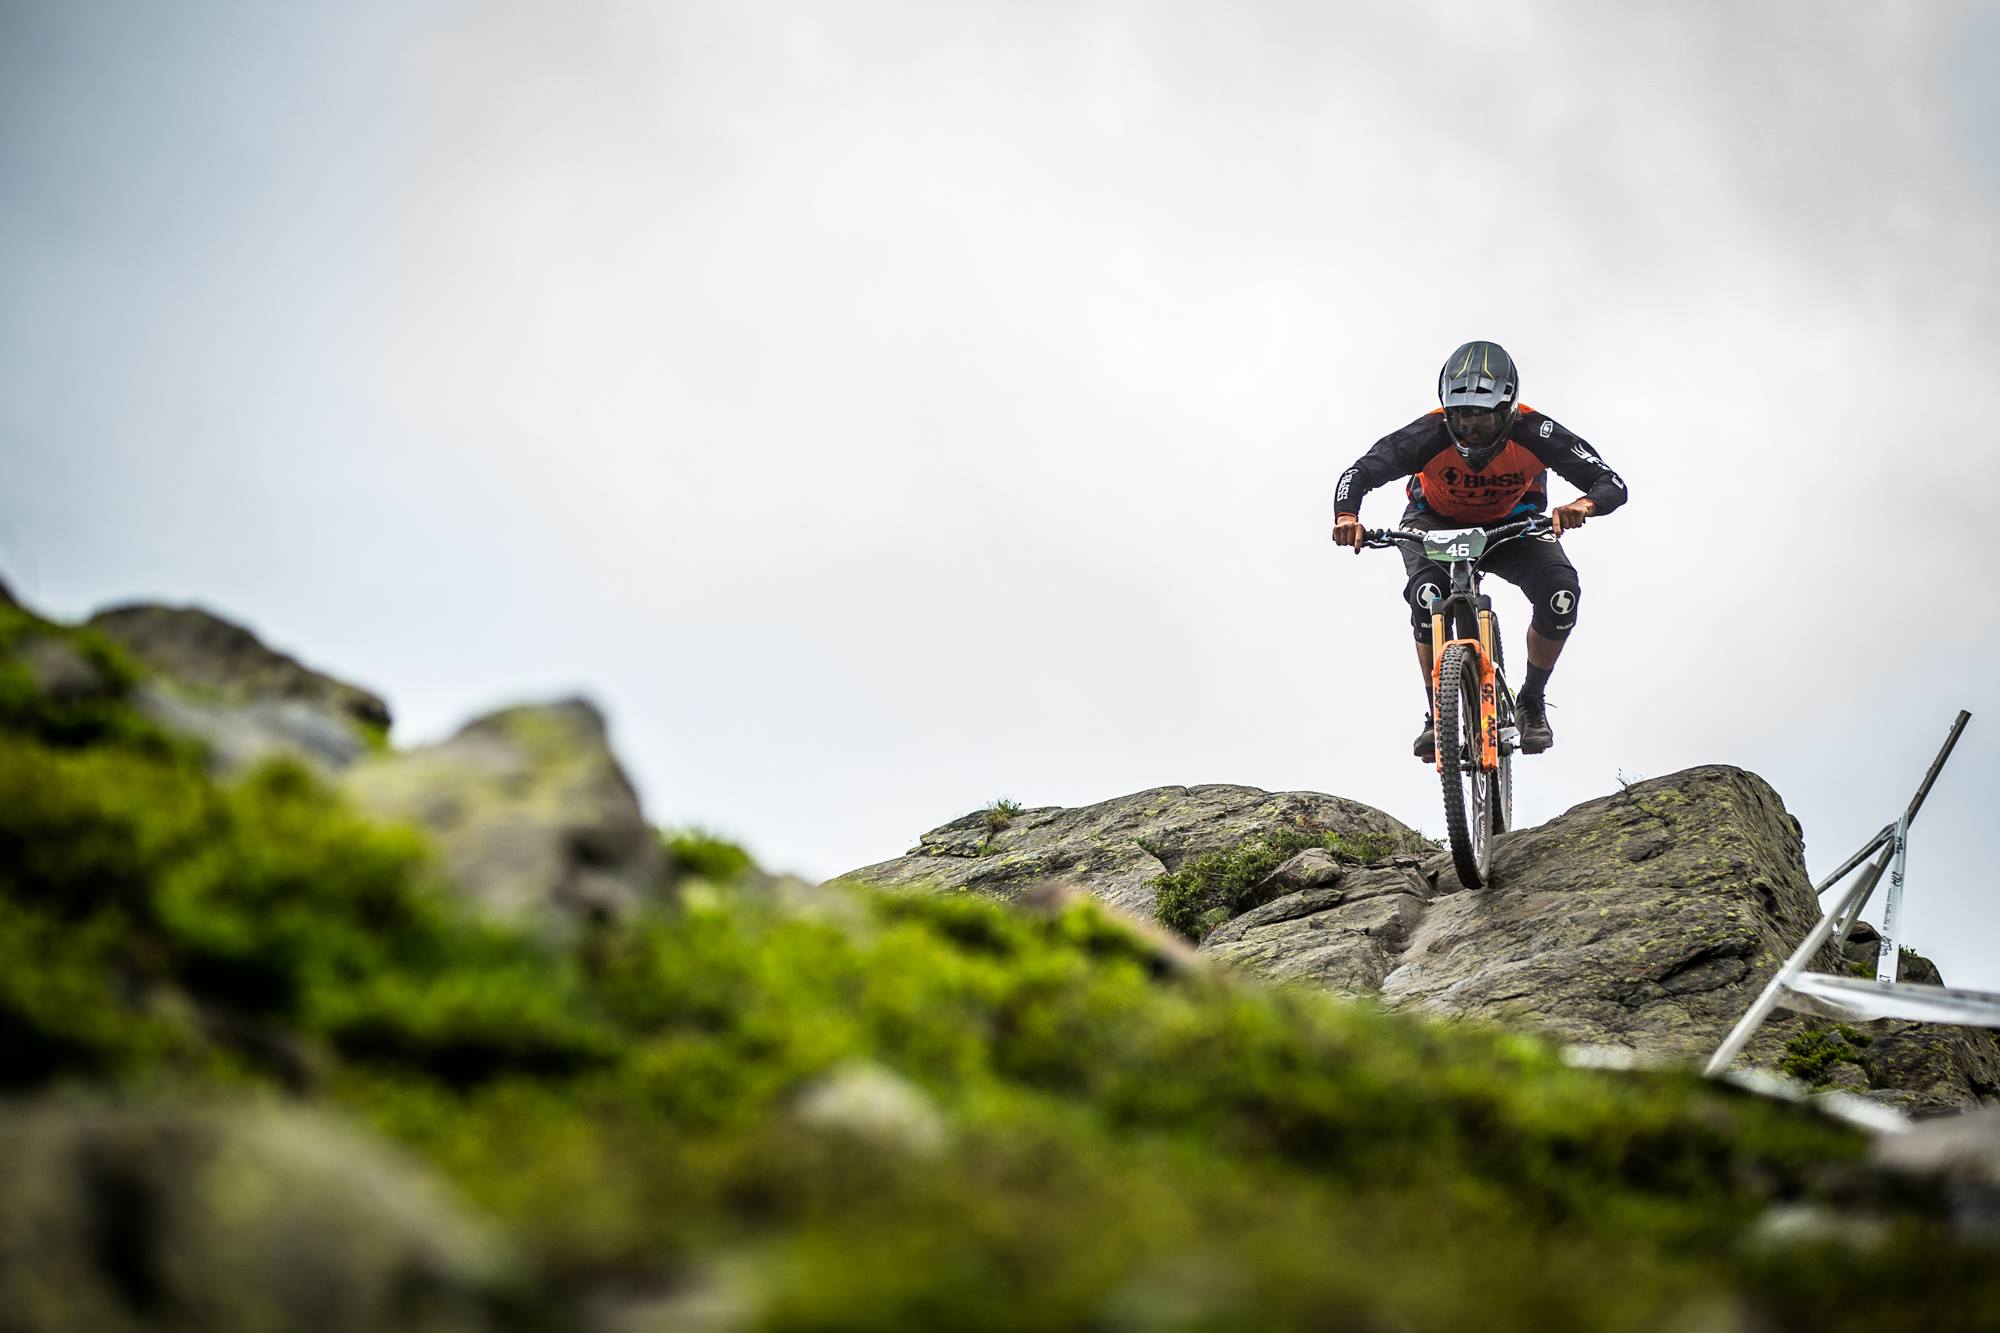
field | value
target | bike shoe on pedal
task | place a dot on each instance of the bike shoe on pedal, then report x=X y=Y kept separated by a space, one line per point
x=1426 y=747
x=1533 y=717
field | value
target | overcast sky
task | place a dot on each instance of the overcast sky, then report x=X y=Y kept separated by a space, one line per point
x=883 y=408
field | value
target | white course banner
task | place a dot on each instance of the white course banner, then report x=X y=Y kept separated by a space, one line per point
x=1863 y=999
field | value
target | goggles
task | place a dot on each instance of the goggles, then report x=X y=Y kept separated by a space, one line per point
x=1475 y=427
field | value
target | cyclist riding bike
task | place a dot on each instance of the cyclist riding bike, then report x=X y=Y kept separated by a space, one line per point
x=1482 y=456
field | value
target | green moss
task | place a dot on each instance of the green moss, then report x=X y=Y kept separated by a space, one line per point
x=101 y=715
x=1125 y=1147
x=1228 y=882
x=1812 y=1055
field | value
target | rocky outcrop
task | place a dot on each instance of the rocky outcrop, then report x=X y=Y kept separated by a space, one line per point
x=230 y=1219
x=1648 y=920
x=534 y=815
x=1116 y=848
x=219 y=683
x=1344 y=930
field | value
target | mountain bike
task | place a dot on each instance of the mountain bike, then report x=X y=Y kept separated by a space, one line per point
x=1472 y=706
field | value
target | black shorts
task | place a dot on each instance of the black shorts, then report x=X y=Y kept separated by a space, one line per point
x=1537 y=566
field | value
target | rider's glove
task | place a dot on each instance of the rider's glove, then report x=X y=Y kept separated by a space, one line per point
x=1572 y=514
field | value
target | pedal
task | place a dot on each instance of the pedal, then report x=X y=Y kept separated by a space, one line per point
x=1510 y=738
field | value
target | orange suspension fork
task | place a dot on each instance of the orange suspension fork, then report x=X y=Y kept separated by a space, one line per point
x=1489 y=689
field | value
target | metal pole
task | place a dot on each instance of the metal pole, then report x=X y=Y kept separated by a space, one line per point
x=1846 y=911
x=1751 y=1021
x=1874 y=877
x=1917 y=801
x=1886 y=956
x=1888 y=831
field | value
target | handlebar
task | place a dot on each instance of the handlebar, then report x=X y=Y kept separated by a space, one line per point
x=1506 y=532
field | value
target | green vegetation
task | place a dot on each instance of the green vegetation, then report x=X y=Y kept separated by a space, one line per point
x=1000 y=814
x=1211 y=889
x=1123 y=1147
x=694 y=853
x=1811 y=1056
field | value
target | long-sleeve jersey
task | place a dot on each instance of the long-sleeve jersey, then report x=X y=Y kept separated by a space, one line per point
x=1515 y=481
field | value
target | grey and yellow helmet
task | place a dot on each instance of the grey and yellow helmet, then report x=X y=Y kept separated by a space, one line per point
x=1480 y=391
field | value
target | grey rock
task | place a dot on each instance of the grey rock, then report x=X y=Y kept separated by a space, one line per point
x=1313 y=868
x=1646 y=921
x=218 y=683
x=1115 y=847
x=536 y=819
x=1347 y=937
x=1864 y=943
x=875 y=1106
x=59 y=671
x=227 y=1219
x=1927 y=1069
x=1965 y=1147
x=1961 y=1155
x=241 y=735
x=1647 y=918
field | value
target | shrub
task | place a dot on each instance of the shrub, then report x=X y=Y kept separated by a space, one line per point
x=694 y=853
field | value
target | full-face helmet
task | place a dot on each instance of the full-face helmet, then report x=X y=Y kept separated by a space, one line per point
x=1480 y=391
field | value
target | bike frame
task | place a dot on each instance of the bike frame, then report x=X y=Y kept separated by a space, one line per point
x=1464 y=600
x=1475 y=768
x=1464 y=616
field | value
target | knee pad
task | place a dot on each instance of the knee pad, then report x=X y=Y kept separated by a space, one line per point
x=1424 y=587
x=1555 y=605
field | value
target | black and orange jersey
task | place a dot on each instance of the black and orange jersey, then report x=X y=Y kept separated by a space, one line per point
x=1515 y=481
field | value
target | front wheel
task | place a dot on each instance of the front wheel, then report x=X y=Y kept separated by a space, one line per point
x=1469 y=791
x=1503 y=781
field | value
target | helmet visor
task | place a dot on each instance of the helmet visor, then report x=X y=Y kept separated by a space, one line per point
x=1476 y=427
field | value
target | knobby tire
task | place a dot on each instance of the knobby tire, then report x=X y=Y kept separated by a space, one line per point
x=1468 y=819
x=1503 y=781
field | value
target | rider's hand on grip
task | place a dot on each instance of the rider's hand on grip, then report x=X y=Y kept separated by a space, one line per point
x=1572 y=515
x=1347 y=532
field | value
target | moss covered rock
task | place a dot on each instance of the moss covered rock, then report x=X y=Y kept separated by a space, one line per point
x=229 y=1218
x=1120 y=848
x=797 y=1108
x=532 y=811
x=217 y=682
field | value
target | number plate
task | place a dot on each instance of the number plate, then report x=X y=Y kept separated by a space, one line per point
x=1455 y=545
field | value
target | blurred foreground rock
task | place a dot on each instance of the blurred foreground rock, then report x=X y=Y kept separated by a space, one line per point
x=535 y=817
x=1964 y=1152
x=220 y=684
x=227 y=1220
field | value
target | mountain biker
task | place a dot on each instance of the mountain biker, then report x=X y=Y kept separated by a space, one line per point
x=1482 y=457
